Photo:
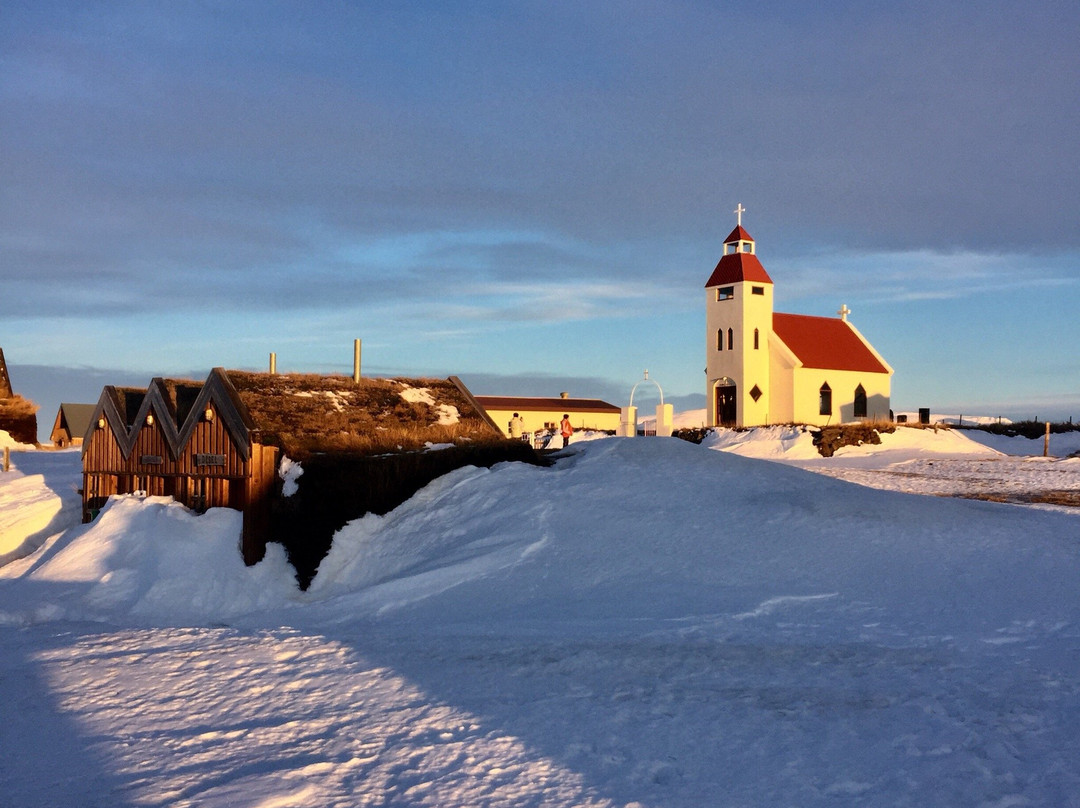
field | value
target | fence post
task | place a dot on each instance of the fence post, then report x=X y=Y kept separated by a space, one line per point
x=1046 y=441
x=7 y=458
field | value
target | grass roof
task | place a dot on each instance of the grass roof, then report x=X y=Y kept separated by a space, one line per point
x=305 y=414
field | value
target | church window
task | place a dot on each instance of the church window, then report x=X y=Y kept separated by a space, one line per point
x=719 y=339
x=755 y=339
x=755 y=393
x=757 y=290
x=860 y=402
x=825 y=400
x=747 y=247
x=725 y=293
x=730 y=339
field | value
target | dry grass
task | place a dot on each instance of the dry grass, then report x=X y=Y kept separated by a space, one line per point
x=305 y=413
x=17 y=407
x=18 y=417
x=1065 y=497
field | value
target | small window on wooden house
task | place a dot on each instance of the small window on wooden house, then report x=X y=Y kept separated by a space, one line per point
x=725 y=293
x=757 y=290
x=730 y=339
x=755 y=339
x=825 y=400
x=860 y=402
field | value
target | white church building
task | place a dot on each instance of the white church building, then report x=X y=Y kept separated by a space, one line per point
x=765 y=367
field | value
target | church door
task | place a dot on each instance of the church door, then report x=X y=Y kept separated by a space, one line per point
x=725 y=405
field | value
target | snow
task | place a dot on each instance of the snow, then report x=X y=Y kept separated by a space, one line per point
x=448 y=414
x=39 y=502
x=645 y=623
x=942 y=462
x=290 y=472
x=417 y=395
x=8 y=442
x=339 y=402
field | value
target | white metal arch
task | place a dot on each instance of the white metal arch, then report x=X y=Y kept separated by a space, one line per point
x=647 y=379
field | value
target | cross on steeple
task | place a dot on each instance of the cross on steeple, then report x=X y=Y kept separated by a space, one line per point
x=739 y=211
x=844 y=312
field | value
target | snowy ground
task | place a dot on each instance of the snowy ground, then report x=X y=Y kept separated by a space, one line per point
x=943 y=462
x=646 y=623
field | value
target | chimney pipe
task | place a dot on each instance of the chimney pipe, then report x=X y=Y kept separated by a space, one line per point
x=273 y=364
x=356 y=361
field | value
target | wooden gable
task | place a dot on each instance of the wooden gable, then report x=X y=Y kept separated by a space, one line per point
x=5 y=380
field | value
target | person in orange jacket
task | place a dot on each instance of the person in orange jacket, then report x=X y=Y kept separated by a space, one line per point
x=566 y=430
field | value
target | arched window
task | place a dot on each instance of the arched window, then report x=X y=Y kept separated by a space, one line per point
x=860 y=402
x=730 y=339
x=825 y=400
x=719 y=339
x=755 y=339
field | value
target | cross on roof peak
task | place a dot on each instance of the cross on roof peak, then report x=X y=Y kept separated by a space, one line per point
x=844 y=312
x=739 y=211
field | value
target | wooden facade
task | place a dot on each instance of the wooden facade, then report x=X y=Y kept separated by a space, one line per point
x=71 y=424
x=5 y=380
x=194 y=443
x=217 y=443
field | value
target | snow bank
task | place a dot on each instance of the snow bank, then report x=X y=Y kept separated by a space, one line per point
x=38 y=498
x=770 y=443
x=149 y=559
x=652 y=528
x=795 y=443
x=647 y=622
x=8 y=442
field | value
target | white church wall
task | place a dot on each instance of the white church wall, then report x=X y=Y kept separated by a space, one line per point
x=782 y=387
x=744 y=313
x=755 y=351
x=842 y=383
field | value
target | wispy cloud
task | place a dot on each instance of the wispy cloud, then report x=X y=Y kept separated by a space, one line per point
x=916 y=275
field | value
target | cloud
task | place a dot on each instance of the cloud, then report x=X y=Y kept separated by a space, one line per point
x=919 y=275
x=181 y=181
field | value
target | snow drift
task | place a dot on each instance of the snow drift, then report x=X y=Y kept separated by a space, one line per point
x=647 y=622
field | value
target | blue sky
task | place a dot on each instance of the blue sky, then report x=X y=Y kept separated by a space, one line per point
x=532 y=195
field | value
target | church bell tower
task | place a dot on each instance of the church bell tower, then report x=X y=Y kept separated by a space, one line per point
x=738 y=323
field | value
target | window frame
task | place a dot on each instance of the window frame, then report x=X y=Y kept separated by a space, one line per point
x=825 y=400
x=859 y=407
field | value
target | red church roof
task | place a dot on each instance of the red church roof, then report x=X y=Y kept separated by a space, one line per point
x=738 y=234
x=825 y=342
x=737 y=267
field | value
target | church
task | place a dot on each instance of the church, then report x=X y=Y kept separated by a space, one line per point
x=765 y=367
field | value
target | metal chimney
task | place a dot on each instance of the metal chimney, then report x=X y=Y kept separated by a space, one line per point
x=273 y=364
x=356 y=361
